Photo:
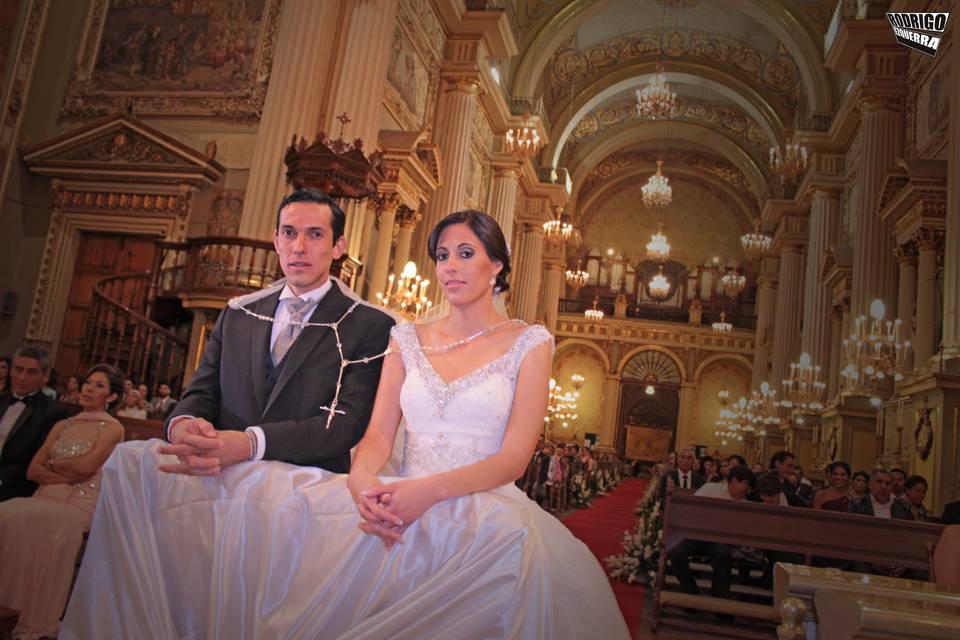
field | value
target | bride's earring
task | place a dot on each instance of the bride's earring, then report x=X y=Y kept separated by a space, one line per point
x=493 y=281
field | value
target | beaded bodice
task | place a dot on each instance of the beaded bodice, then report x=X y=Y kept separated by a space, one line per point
x=77 y=438
x=457 y=423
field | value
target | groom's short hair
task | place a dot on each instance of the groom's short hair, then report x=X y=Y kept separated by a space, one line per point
x=338 y=219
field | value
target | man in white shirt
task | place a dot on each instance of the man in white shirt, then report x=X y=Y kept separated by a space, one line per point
x=739 y=482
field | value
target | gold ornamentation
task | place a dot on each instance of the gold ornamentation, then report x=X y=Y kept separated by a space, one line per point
x=923 y=434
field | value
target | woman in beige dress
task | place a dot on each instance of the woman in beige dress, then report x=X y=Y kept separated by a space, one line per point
x=41 y=535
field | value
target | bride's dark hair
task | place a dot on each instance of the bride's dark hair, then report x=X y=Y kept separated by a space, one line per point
x=490 y=234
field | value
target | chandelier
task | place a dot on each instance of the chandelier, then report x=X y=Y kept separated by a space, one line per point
x=594 y=314
x=659 y=286
x=733 y=283
x=577 y=278
x=804 y=389
x=406 y=294
x=657 y=193
x=522 y=142
x=561 y=406
x=557 y=229
x=755 y=244
x=658 y=248
x=874 y=355
x=723 y=396
x=577 y=381
x=722 y=326
x=656 y=100
x=788 y=163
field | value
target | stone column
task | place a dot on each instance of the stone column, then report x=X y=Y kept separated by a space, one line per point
x=787 y=314
x=291 y=108
x=407 y=219
x=824 y=214
x=527 y=270
x=552 y=281
x=951 y=249
x=610 y=411
x=688 y=399
x=907 y=290
x=454 y=126
x=386 y=215
x=503 y=196
x=881 y=131
x=923 y=348
x=766 y=304
x=836 y=340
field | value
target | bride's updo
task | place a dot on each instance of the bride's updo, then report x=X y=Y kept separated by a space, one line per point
x=490 y=234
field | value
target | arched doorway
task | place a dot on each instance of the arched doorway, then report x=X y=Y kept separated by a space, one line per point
x=649 y=406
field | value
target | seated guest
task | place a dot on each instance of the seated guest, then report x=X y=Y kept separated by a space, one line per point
x=783 y=462
x=899 y=479
x=5 y=374
x=757 y=468
x=836 y=495
x=50 y=383
x=915 y=491
x=144 y=395
x=709 y=469
x=739 y=480
x=26 y=417
x=768 y=489
x=543 y=458
x=723 y=470
x=40 y=536
x=684 y=477
x=737 y=460
x=72 y=394
x=880 y=502
x=860 y=485
x=133 y=406
x=163 y=404
x=951 y=513
x=804 y=488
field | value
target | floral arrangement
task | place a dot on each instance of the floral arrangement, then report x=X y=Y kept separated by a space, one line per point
x=641 y=547
x=580 y=492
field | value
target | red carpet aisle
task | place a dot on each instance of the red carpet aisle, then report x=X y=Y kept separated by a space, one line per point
x=601 y=529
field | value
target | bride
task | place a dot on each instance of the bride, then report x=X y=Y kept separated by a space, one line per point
x=449 y=549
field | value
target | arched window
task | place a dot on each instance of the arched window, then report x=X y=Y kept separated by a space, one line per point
x=652 y=367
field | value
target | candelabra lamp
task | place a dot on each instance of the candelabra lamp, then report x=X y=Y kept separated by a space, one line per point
x=594 y=314
x=657 y=192
x=722 y=326
x=406 y=293
x=577 y=278
x=875 y=355
x=561 y=408
x=756 y=243
x=789 y=162
x=803 y=390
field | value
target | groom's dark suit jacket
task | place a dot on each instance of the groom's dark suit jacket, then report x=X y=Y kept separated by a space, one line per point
x=24 y=440
x=234 y=386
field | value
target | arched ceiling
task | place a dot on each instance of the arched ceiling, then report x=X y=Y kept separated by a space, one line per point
x=744 y=72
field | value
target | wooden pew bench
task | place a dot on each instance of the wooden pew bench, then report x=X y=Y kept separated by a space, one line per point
x=770 y=527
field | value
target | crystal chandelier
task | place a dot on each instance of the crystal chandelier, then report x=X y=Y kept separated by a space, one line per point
x=594 y=314
x=733 y=283
x=561 y=406
x=658 y=248
x=804 y=389
x=656 y=100
x=659 y=286
x=755 y=244
x=723 y=396
x=406 y=294
x=577 y=381
x=722 y=326
x=577 y=278
x=788 y=163
x=874 y=355
x=557 y=229
x=657 y=193
x=522 y=142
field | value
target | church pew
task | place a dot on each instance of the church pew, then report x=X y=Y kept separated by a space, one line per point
x=862 y=603
x=136 y=429
x=771 y=527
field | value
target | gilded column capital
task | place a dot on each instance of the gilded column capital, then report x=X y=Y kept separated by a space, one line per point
x=871 y=102
x=506 y=171
x=929 y=239
x=408 y=218
x=826 y=193
x=792 y=247
x=907 y=254
x=468 y=83
x=533 y=228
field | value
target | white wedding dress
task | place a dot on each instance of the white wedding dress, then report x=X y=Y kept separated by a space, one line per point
x=272 y=550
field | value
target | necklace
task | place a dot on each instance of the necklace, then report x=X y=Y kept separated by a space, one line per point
x=470 y=338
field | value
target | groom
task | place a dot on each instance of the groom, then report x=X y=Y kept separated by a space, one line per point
x=264 y=387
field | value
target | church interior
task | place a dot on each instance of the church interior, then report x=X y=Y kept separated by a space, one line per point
x=740 y=220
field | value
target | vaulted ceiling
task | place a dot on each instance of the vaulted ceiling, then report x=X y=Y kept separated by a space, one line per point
x=746 y=73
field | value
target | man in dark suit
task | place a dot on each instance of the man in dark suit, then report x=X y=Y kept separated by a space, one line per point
x=684 y=477
x=26 y=417
x=879 y=502
x=265 y=390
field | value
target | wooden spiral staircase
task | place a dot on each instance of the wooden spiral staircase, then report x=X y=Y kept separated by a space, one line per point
x=136 y=320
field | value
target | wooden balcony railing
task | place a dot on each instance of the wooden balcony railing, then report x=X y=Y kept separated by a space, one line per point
x=215 y=266
x=120 y=332
x=736 y=314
